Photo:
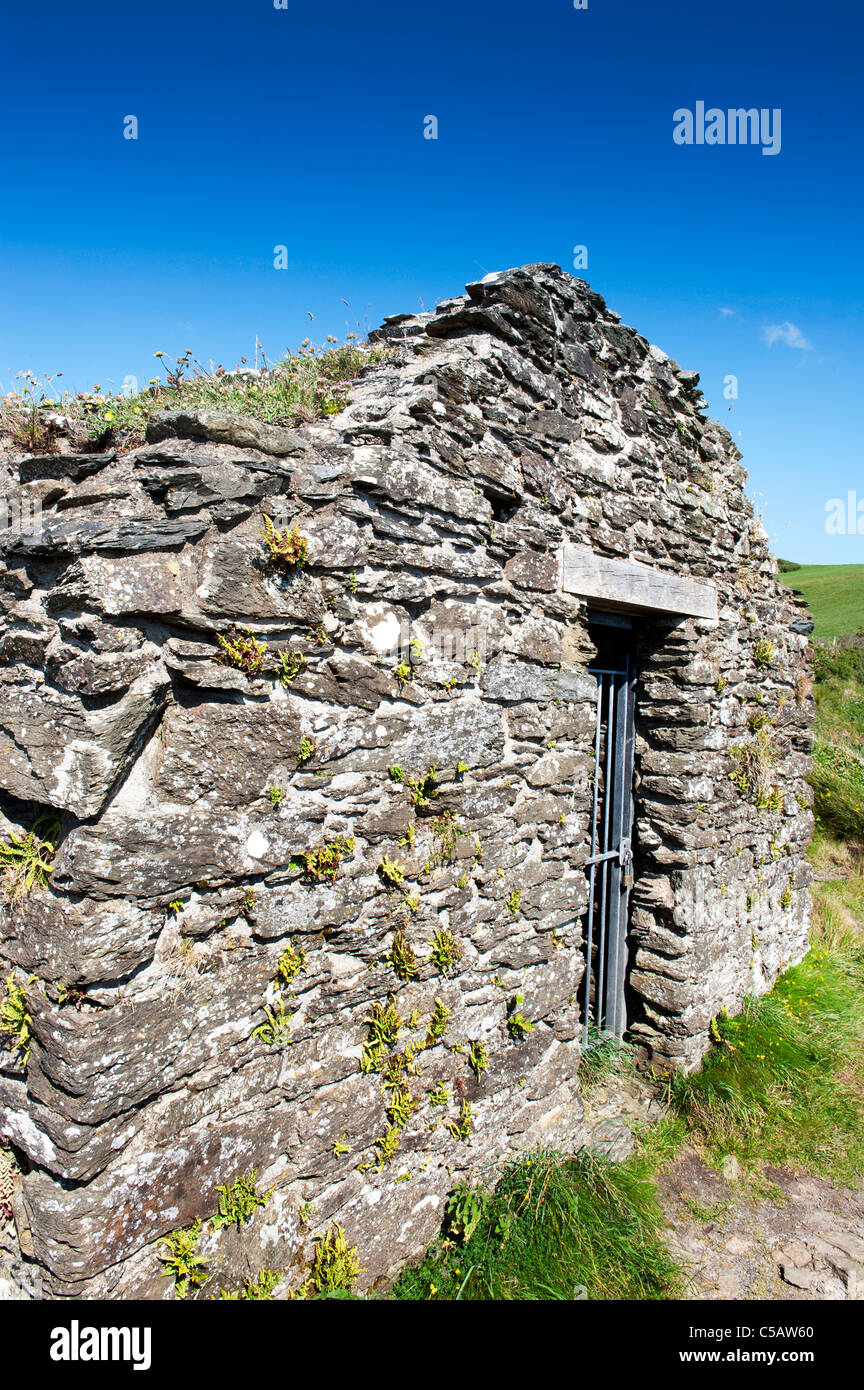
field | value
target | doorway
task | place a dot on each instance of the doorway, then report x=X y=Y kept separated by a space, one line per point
x=610 y=862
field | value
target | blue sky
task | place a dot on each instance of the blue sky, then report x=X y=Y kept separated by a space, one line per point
x=303 y=127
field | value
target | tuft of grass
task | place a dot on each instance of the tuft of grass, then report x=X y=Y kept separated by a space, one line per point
x=785 y=1081
x=552 y=1227
x=606 y=1059
x=755 y=761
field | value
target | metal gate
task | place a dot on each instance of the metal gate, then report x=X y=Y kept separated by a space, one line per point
x=610 y=863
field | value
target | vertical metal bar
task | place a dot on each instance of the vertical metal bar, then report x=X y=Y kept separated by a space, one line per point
x=627 y=831
x=604 y=881
x=589 y=933
x=611 y=829
x=613 y=1009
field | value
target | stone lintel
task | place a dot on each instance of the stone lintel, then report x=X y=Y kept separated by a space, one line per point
x=626 y=584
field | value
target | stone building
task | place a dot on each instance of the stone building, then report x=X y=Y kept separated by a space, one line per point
x=491 y=742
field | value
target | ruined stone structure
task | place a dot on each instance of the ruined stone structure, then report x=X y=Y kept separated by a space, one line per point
x=296 y=903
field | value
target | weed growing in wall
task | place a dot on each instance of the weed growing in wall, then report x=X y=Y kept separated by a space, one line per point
x=446 y=951
x=15 y=1020
x=423 y=789
x=240 y=648
x=446 y=832
x=463 y=1126
x=335 y=1266
x=238 y=1201
x=478 y=1058
x=403 y=958
x=25 y=860
x=289 y=665
x=275 y=1031
x=384 y=1026
x=392 y=872
x=292 y=961
x=286 y=550
x=322 y=864
x=763 y=653
x=255 y=1290
x=438 y=1022
x=182 y=1262
x=518 y=1026
x=306 y=751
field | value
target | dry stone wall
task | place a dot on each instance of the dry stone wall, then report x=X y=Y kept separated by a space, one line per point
x=305 y=905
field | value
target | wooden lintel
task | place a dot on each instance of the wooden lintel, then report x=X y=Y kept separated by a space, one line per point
x=625 y=584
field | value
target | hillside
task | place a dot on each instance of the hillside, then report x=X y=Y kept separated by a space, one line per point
x=835 y=595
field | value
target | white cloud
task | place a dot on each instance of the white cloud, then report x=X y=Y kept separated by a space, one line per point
x=727 y=313
x=788 y=333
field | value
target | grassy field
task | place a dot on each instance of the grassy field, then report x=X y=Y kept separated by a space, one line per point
x=838 y=754
x=835 y=595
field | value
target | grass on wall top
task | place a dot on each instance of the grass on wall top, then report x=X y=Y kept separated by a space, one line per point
x=307 y=385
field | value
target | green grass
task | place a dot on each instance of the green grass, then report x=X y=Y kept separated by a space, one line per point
x=552 y=1226
x=838 y=754
x=835 y=596
x=785 y=1084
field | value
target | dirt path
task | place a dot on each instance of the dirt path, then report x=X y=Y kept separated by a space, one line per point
x=803 y=1241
